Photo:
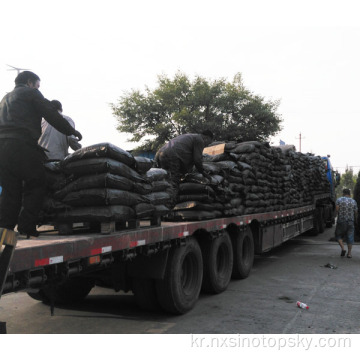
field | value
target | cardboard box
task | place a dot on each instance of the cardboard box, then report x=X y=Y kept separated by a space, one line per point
x=215 y=150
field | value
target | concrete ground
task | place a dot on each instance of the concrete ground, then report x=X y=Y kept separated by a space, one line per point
x=264 y=303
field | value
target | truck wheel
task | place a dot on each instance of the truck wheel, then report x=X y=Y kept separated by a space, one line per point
x=218 y=263
x=72 y=291
x=243 y=248
x=179 y=290
x=330 y=218
x=321 y=220
x=316 y=229
x=145 y=294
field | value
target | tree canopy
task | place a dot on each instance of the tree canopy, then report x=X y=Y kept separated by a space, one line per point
x=348 y=181
x=179 y=105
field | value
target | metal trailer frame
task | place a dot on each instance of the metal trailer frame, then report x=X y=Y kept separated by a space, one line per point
x=116 y=259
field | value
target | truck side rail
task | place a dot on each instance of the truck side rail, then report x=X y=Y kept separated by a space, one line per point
x=49 y=250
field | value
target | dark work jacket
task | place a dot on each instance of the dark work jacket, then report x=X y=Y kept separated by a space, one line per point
x=21 y=112
x=188 y=148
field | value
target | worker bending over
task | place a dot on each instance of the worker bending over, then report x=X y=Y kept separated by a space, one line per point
x=179 y=156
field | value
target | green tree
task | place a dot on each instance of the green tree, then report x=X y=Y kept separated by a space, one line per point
x=179 y=106
x=347 y=180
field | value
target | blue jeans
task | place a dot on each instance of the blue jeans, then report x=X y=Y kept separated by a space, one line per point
x=345 y=231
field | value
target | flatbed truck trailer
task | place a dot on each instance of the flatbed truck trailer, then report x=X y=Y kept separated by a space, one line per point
x=165 y=266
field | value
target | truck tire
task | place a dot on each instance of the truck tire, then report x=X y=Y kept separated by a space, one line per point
x=321 y=220
x=39 y=296
x=243 y=248
x=179 y=290
x=145 y=294
x=329 y=219
x=218 y=263
x=316 y=228
x=72 y=291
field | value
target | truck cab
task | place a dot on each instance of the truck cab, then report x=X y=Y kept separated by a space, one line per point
x=333 y=176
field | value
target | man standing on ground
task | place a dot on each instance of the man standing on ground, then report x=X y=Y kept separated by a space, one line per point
x=22 y=173
x=180 y=154
x=347 y=210
x=56 y=143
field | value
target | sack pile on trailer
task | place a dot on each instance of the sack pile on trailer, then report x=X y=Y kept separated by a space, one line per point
x=105 y=183
x=251 y=177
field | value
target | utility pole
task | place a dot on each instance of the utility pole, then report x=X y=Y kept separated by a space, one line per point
x=299 y=141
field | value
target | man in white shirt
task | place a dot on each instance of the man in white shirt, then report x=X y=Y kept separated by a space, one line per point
x=56 y=143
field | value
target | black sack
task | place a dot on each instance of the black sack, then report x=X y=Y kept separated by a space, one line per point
x=205 y=198
x=193 y=188
x=192 y=215
x=96 y=181
x=93 y=197
x=161 y=210
x=101 y=165
x=142 y=188
x=156 y=174
x=102 y=150
x=144 y=210
x=158 y=198
x=143 y=164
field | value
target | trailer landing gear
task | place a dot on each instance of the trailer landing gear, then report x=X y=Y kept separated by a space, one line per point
x=8 y=242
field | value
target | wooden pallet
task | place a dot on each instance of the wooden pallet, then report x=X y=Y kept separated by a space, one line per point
x=68 y=228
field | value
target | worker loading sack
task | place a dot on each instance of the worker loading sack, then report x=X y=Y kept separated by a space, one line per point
x=250 y=177
x=105 y=183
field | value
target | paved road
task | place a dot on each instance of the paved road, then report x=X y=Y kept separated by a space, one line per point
x=264 y=303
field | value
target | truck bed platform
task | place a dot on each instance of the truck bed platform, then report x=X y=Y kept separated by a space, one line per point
x=51 y=248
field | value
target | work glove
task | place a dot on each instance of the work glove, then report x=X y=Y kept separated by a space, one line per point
x=78 y=135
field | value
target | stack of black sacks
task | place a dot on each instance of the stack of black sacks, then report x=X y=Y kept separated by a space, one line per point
x=251 y=177
x=103 y=183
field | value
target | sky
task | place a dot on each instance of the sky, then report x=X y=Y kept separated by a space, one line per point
x=89 y=53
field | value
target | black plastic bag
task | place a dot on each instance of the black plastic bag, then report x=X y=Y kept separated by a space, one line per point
x=211 y=167
x=205 y=198
x=101 y=165
x=226 y=165
x=156 y=174
x=143 y=164
x=142 y=188
x=144 y=210
x=100 y=150
x=95 y=181
x=243 y=148
x=161 y=210
x=192 y=215
x=158 y=198
x=93 y=197
x=160 y=185
x=193 y=188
